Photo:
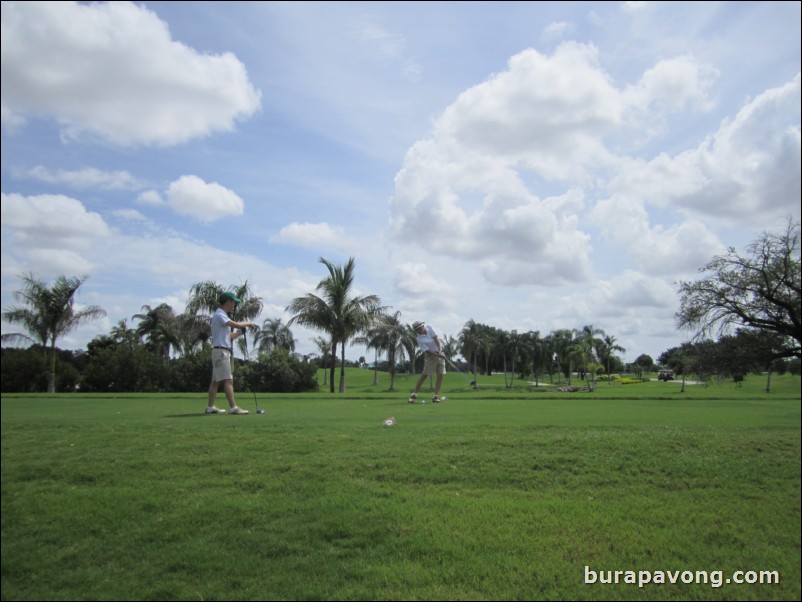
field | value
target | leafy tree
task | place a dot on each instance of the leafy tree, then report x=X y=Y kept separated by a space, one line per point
x=124 y=368
x=48 y=314
x=762 y=290
x=24 y=370
x=280 y=372
x=335 y=311
x=644 y=362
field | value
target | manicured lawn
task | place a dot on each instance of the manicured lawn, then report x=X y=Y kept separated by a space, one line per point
x=494 y=494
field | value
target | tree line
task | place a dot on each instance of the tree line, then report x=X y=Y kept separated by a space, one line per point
x=758 y=293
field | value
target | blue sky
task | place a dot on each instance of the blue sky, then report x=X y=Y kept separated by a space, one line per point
x=527 y=165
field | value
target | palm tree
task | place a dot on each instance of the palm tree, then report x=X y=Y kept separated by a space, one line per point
x=159 y=326
x=335 y=311
x=561 y=340
x=374 y=338
x=49 y=314
x=586 y=343
x=324 y=346
x=274 y=335
x=471 y=342
x=548 y=347
x=121 y=334
x=450 y=347
x=606 y=349
x=398 y=339
x=503 y=343
x=409 y=344
x=534 y=351
x=192 y=332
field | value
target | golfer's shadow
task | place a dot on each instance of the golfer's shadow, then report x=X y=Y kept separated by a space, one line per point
x=192 y=415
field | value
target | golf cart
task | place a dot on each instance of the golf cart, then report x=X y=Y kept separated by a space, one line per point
x=665 y=375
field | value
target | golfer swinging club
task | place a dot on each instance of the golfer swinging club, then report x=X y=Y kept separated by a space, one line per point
x=222 y=339
x=435 y=362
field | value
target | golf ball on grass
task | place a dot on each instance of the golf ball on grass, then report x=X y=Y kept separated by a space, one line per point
x=260 y=411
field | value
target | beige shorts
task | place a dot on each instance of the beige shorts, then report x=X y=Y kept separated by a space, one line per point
x=434 y=364
x=221 y=365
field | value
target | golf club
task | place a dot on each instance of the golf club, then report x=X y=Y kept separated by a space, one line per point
x=461 y=373
x=248 y=359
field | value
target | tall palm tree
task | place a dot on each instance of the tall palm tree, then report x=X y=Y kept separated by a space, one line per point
x=49 y=313
x=335 y=312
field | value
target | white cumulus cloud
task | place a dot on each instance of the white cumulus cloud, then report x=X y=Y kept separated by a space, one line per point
x=111 y=71
x=205 y=202
x=313 y=236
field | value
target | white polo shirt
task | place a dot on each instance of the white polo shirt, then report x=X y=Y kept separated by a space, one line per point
x=426 y=341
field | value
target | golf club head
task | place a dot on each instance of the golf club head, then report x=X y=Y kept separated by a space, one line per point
x=260 y=411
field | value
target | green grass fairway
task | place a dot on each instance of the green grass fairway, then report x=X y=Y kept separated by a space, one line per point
x=495 y=494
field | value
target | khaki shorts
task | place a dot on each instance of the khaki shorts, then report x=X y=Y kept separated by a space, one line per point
x=434 y=364
x=221 y=365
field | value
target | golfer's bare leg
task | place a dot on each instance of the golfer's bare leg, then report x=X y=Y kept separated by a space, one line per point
x=419 y=384
x=212 y=392
x=228 y=387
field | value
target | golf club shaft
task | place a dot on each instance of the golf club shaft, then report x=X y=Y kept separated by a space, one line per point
x=453 y=365
x=248 y=359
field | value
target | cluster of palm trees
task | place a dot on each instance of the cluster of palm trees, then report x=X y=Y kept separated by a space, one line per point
x=343 y=318
x=587 y=350
x=168 y=333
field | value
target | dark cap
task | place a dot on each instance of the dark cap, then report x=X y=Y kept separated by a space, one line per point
x=229 y=296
